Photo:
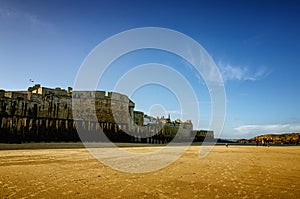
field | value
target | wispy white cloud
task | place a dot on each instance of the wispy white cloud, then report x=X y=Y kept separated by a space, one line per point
x=241 y=73
x=10 y=15
x=254 y=130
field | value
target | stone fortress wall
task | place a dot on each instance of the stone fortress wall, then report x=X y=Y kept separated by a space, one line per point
x=45 y=114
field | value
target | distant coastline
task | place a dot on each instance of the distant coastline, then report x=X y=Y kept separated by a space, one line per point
x=275 y=139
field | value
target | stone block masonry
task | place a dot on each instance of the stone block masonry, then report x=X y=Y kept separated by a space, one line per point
x=43 y=114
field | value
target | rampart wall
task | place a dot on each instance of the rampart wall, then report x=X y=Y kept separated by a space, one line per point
x=46 y=115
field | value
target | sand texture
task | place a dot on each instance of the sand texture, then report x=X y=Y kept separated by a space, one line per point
x=233 y=172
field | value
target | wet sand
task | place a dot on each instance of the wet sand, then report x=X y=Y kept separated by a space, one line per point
x=233 y=172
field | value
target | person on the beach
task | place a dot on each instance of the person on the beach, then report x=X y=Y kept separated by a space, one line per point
x=268 y=142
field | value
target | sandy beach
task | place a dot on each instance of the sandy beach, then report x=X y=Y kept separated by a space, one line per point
x=233 y=172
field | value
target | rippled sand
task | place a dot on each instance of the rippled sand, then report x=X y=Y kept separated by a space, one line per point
x=233 y=172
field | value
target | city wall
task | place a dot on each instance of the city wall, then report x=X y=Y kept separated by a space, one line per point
x=43 y=114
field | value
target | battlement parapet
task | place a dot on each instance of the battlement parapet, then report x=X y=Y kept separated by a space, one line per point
x=101 y=95
x=118 y=97
x=83 y=94
x=16 y=94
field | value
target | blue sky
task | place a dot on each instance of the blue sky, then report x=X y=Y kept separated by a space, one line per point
x=255 y=44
